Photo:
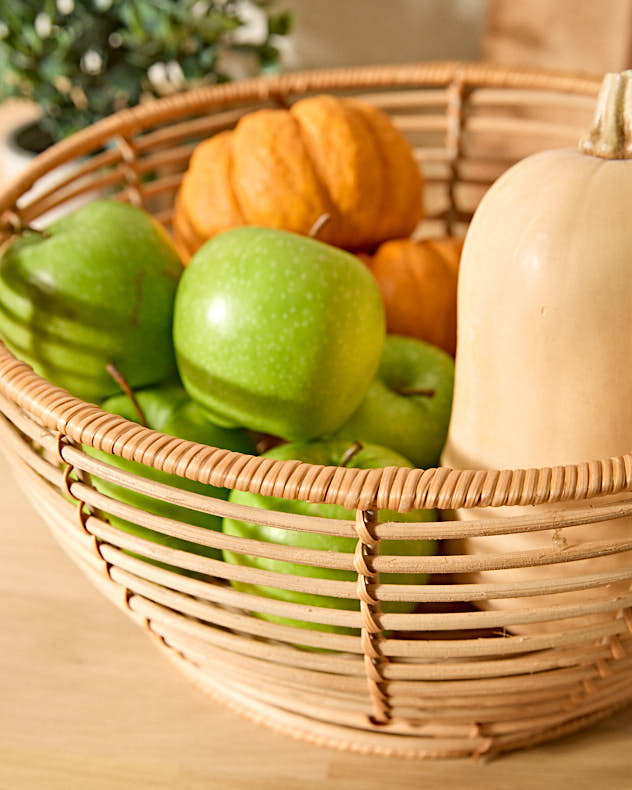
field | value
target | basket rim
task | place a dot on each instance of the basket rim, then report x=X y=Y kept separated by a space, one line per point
x=268 y=87
x=440 y=487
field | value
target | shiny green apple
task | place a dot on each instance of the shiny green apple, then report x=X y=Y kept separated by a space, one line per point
x=327 y=454
x=167 y=408
x=277 y=332
x=97 y=286
x=408 y=405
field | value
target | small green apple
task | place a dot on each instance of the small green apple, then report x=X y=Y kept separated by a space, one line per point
x=277 y=332
x=168 y=409
x=97 y=286
x=408 y=405
x=327 y=454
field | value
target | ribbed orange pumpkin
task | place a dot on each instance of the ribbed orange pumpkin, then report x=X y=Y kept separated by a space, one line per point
x=286 y=168
x=418 y=281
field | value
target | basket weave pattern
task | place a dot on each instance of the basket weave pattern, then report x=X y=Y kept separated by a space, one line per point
x=445 y=681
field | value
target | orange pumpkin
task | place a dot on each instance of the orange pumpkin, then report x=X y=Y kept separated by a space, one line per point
x=285 y=168
x=418 y=281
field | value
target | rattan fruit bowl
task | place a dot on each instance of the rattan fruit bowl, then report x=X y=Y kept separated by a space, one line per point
x=451 y=679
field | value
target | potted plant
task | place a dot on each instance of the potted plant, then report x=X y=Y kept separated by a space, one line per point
x=80 y=60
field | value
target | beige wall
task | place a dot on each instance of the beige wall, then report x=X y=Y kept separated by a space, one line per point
x=574 y=35
x=351 y=32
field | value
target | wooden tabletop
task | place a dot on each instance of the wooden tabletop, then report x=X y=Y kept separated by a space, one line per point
x=87 y=702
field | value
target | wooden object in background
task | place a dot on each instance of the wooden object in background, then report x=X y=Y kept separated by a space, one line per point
x=576 y=35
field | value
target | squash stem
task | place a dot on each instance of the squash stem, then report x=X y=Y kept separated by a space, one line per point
x=610 y=134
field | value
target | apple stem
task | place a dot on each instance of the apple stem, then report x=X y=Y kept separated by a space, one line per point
x=266 y=441
x=350 y=453
x=318 y=225
x=428 y=392
x=124 y=385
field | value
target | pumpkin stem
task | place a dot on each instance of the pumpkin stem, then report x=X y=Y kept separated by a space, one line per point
x=124 y=385
x=318 y=225
x=610 y=134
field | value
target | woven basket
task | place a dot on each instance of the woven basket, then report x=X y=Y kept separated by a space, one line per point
x=449 y=680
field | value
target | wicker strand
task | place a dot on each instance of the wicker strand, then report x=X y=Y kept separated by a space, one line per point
x=83 y=511
x=130 y=169
x=454 y=136
x=371 y=633
x=592 y=687
x=617 y=653
x=484 y=751
x=349 y=487
x=11 y=223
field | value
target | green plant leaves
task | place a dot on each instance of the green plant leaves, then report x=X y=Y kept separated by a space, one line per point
x=43 y=52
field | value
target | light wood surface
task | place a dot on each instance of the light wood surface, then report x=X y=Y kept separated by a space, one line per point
x=87 y=701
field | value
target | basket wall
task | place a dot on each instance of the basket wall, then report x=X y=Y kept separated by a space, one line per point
x=450 y=679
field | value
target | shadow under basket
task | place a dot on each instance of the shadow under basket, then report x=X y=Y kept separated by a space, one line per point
x=451 y=679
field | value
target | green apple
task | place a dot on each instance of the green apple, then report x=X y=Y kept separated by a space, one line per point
x=95 y=287
x=167 y=408
x=277 y=332
x=328 y=454
x=408 y=405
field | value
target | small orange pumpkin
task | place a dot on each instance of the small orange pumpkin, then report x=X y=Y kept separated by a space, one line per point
x=286 y=168
x=418 y=281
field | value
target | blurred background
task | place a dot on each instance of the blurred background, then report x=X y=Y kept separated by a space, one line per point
x=355 y=32
x=577 y=35
x=66 y=63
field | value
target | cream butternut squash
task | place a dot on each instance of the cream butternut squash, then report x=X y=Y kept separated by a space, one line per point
x=544 y=351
